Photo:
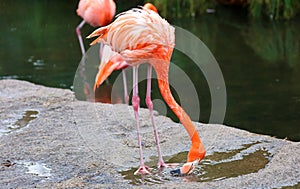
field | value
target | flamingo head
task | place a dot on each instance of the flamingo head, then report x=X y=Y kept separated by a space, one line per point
x=150 y=6
x=186 y=169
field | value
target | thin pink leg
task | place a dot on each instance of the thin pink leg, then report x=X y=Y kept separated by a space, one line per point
x=149 y=103
x=136 y=103
x=79 y=36
x=126 y=97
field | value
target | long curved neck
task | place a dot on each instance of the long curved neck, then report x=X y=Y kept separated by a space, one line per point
x=163 y=83
x=197 y=150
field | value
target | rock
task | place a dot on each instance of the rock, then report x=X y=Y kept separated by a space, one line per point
x=80 y=144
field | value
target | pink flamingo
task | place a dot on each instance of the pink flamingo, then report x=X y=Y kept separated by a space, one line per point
x=97 y=13
x=141 y=36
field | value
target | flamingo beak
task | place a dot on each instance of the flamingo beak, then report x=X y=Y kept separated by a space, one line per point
x=186 y=169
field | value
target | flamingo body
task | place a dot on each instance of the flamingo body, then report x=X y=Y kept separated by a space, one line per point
x=138 y=36
x=96 y=12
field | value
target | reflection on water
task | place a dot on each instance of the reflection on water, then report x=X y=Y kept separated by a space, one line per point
x=217 y=166
x=275 y=42
x=259 y=60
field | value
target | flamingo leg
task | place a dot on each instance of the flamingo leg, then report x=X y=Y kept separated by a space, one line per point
x=126 y=97
x=136 y=103
x=79 y=36
x=101 y=50
x=149 y=103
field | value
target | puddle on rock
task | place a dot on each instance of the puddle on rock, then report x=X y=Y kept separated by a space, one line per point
x=38 y=169
x=28 y=116
x=213 y=167
x=250 y=163
x=156 y=177
x=296 y=186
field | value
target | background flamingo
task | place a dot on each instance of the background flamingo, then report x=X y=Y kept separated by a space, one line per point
x=97 y=13
x=139 y=36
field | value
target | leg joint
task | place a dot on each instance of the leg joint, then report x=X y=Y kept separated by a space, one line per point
x=149 y=103
x=135 y=102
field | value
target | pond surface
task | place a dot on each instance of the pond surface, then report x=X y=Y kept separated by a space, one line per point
x=259 y=59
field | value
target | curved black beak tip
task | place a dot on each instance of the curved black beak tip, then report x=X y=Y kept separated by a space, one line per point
x=175 y=172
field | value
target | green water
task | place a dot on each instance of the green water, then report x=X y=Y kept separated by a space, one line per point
x=259 y=59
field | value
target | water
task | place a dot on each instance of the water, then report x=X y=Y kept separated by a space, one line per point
x=259 y=59
x=218 y=166
x=9 y=125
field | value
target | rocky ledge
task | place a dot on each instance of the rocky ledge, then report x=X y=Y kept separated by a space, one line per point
x=48 y=139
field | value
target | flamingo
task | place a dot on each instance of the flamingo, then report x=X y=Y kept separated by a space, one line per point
x=141 y=36
x=97 y=13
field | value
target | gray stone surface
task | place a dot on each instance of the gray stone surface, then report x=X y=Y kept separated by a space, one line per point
x=48 y=139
